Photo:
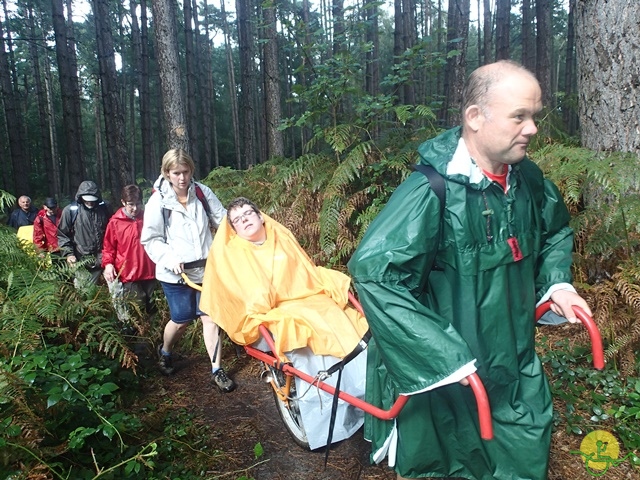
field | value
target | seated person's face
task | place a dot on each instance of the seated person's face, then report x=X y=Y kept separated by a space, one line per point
x=247 y=223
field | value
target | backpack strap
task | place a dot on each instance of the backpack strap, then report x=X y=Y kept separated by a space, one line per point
x=435 y=180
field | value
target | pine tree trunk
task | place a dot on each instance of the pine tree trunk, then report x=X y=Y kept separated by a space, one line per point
x=569 y=115
x=273 y=108
x=69 y=92
x=119 y=169
x=164 y=15
x=488 y=32
x=543 y=50
x=455 y=74
x=528 y=38
x=53 y=183
x=247 y=79
x=150 y=164
x=233 y=99
x=192 y=89
x=607 y=39
x=14 y=124
x=503 y=17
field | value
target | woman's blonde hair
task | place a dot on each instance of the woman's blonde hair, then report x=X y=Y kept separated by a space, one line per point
x=174 y=158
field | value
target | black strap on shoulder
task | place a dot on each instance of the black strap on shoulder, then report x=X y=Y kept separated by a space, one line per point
x=435 y=180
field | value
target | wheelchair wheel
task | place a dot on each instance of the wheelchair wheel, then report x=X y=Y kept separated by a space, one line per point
x=289 y=411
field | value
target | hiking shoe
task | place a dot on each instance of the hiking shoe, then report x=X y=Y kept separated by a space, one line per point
x=224 y=383
x=165 y=363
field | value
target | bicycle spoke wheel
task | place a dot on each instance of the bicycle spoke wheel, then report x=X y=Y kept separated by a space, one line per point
x=288 y=410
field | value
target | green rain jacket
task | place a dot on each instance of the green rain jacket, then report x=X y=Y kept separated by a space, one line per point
x=475 y=306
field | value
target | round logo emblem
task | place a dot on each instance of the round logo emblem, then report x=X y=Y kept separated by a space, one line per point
x=600 y=450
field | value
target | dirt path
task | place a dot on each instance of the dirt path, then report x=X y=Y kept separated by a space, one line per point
x=248 y=416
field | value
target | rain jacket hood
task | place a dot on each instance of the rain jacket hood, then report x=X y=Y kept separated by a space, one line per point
x=277 y=284
x=88 y=187
x=474 y=309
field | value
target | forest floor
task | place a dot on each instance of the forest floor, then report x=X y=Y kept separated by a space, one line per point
x=246 y=417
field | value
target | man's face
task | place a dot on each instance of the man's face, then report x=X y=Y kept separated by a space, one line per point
x=24 y=203
x=506 y=124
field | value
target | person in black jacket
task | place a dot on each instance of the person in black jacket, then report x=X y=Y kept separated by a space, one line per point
x=24 y=215
x=81 y=231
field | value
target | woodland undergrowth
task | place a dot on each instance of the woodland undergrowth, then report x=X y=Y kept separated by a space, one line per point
x=69 y=405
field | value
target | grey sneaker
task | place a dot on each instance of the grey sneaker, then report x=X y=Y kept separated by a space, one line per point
x=224 y=383
x=165 y=363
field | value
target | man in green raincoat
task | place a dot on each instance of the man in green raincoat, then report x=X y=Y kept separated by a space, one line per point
x=501 y=246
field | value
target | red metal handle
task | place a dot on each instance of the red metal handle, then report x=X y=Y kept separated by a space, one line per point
x=590 y=325
x=484 y=410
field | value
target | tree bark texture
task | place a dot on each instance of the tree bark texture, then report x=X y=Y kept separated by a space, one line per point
x=528 y=37
x=454 y=77
x=273 y=108
x=14 y=124
x=543 y=50
x=488 y=32
x=503 y=20
x=70 y=95
x=119 y=169
x=192 y=88
x=607 y=46
x=244 y=10
x=164 y=15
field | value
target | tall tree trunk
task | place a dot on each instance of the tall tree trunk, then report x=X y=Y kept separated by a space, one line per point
x=543 y=50
x=398 y=45
x=273 y=106
x=164 y=15
x=503 y=42
x=233 y=98
x=488 y=32
x=70 y=95
x=203 y=67
x=337 y=11
x=244 y=10
x=211 y=124
x=150 y=164
x=569 y=115
x=53 y=182
x=372 y=73
x=14 y=123
x=192 y=89
x=458 y=28
x=119 y=169
x=528 y=38
x=607 y=38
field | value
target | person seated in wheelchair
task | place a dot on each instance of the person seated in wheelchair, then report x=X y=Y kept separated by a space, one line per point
x=257 y=273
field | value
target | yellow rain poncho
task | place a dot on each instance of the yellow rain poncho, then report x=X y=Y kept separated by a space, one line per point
x=277 y=284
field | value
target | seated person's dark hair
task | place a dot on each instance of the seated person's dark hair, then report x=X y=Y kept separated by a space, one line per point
x=239 y=202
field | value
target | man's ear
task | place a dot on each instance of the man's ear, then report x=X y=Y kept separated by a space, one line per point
x=473 y=117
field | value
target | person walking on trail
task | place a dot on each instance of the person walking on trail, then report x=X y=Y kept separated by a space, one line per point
x=177 y=236
x=24 y=214
x=45 y=226
x=81 y=231
x=128 y=270
x=450 y=292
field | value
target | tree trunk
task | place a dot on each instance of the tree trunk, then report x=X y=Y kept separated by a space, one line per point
x=192 y=89
x=14 y=124
x=150 y=166
x=203 y=67
x=233 y=99
x=503 y=17
x=488 y=32
x=543 y=50
x=119 y=169
x=273 y=108
x=164 y=15
x=46 y=154
x=607 y=39
x=569 y=115
x=244 y=9
x=211 y=125
x=458 y=28
x=70 y=94
x=528 y=39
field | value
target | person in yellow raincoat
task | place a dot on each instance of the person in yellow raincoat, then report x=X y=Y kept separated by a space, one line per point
x=257 y=273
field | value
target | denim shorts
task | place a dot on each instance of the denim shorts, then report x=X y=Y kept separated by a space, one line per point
x=183 y=302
